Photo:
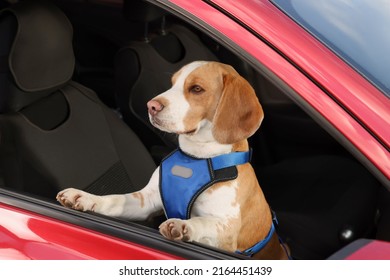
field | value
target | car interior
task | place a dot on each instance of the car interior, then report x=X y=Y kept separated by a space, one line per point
x=73 y=113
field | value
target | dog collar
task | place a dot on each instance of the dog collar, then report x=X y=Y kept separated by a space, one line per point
x=183 y=178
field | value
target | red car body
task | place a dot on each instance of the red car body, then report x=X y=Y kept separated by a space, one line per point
x=340 y=96
x=28 y=235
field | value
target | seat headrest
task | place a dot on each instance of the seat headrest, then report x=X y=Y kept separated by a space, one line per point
x=40 y=55
x=141 y=11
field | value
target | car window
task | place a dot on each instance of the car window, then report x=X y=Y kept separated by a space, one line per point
x=357 y=31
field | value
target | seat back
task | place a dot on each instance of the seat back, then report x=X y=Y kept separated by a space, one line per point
x=144 y=68
x=55 y=132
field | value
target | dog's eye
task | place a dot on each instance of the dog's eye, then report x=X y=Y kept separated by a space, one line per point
x=196 y=89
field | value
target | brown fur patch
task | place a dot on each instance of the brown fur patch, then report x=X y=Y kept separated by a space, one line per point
x=239 y=113
x=241 y=146
x=255 y=213
x=140 y=197
x=228 y=242
x=203 y=105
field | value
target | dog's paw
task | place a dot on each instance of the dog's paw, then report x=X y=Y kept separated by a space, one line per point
x=176 y=229
x=77 y=199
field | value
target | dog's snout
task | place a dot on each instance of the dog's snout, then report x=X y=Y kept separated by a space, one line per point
x=154 y=107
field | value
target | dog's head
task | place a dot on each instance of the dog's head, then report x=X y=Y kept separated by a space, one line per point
x=208 y=95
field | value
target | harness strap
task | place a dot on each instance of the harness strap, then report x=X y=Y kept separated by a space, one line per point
x=259 y=245
x=231 y=159
x=276 y=223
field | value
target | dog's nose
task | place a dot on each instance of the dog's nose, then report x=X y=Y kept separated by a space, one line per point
x=154 y=107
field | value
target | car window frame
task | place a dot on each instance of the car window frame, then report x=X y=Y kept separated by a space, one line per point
x=359 y=152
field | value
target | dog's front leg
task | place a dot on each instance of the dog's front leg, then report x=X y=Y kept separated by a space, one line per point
x=135 y=206
x=212 y=231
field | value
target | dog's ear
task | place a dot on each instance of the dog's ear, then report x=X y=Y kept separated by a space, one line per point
x=239 y=113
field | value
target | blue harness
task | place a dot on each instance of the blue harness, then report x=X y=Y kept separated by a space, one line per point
x=183 y=178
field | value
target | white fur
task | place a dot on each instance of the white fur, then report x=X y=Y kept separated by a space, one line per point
x=218 y=204
x=203 y=144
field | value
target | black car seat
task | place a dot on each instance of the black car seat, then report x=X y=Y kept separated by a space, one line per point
x=143 y=68
x=322 y=202
x=56 y=133
x=3 y=4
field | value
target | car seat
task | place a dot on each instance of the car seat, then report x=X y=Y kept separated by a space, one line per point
x=143 y=68
x=56 y=133
x=322 y=202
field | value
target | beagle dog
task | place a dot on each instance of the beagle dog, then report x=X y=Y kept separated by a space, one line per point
x=207 y=188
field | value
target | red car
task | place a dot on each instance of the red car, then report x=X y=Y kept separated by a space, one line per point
x=75 y=77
